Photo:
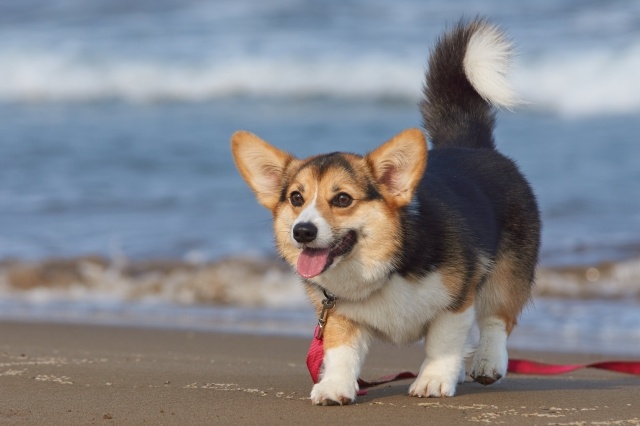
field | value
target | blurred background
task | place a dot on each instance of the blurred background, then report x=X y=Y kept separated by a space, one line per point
x=120 y=203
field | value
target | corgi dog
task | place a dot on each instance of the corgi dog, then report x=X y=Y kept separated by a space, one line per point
x=413 y=243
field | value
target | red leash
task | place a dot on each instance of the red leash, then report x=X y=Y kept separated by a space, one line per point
x=523 y=366
x=315 y=356
x=517 y=366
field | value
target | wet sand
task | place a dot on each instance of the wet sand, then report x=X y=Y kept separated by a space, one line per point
x=74 y=374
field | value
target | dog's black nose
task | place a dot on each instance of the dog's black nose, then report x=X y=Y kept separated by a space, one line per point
x=305 y=232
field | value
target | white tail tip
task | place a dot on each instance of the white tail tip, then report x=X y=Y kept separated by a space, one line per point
x=486 y=63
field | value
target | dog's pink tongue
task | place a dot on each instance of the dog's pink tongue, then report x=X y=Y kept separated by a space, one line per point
x=312 y=262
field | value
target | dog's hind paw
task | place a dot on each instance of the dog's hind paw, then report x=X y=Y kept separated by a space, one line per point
x=487 y=380
x=487 y=372
x=489 y=367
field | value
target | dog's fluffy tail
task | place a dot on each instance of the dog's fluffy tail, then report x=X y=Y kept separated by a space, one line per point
x=464 y=83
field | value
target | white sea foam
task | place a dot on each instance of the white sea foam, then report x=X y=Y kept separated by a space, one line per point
x=244 y=282
x=247 y=282
x=576 y=83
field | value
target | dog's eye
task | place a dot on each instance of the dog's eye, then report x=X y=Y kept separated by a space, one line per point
x=296 y=199
x=342 y=200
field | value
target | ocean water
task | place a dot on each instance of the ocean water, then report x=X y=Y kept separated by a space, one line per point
x=115 y=119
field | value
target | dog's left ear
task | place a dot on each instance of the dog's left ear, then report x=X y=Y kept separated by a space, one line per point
x=398 y=165
x=261 y=165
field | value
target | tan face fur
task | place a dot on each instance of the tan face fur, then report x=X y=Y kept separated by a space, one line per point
x=339 y=193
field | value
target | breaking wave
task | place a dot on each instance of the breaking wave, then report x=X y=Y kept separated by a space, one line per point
x=246 y=282
x=580 y=83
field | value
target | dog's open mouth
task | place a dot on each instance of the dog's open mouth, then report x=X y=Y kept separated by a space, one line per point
x=314 y=261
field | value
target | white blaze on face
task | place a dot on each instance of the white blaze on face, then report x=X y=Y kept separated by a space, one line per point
x=310 y=214
x=315 y=255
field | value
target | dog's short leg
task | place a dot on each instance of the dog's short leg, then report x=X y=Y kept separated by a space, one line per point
x=500 y=301
x=446 y=349
x=346 y=346
x=491 y=358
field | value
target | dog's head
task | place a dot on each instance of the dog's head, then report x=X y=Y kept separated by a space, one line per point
x=336 y=216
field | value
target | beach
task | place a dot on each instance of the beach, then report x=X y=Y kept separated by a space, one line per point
x=78 y=374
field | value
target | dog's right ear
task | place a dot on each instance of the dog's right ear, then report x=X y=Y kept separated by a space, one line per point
x=261 y=165
x=398 y=165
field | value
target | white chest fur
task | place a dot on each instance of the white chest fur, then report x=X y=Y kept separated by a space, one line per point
x=401 y=309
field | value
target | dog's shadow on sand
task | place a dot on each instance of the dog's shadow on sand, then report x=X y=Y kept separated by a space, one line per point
x=512 y=385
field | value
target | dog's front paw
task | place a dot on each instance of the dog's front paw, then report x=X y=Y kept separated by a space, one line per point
x=432 y=384
x=332 y=391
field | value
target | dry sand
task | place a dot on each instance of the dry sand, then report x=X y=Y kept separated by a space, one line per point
x=72 y=374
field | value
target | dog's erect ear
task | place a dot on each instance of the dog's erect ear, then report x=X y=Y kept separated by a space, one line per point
x=261 y=165
x=398 y=165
